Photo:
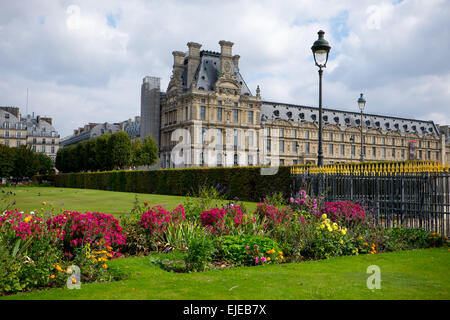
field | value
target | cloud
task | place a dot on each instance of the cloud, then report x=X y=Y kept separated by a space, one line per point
x=84 y=61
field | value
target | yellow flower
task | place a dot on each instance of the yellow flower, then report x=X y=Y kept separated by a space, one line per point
x=105 y=266
x=268 y=258
x=344 y=231
x=335 y=226
x=280 y=253
x=322 y=226
x=44 y=203
x=52 y=276
x=58 y=267
x=360 y=238
x=329 y=229
x=356 y=249
x=342 y=241
x=74 y=280
x=27 y=219
x=324 y=216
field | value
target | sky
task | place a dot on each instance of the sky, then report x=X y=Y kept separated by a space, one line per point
x=84 y=61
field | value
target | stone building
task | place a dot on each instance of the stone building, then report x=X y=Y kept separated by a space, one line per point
x=13 y=131
x=37 y=132
x=94 y=130
x=209 y=116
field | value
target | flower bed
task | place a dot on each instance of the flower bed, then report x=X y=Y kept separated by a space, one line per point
x=39 y=250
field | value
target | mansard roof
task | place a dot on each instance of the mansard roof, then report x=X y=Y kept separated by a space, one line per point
x=299 y=113
x=208 y=71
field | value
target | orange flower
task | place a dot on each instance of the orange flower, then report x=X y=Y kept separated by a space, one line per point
x=52 y=276
x=74 y=280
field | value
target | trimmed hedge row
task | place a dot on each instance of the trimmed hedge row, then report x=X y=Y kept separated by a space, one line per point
x=244 y=183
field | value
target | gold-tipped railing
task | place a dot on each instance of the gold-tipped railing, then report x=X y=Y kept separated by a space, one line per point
x=372 y=168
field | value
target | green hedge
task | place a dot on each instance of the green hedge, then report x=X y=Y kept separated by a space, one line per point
x=244 y=183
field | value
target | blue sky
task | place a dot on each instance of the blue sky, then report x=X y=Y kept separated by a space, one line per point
x=83 y=61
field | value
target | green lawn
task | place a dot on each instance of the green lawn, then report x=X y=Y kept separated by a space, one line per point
x=416 y=274
x=31 y=198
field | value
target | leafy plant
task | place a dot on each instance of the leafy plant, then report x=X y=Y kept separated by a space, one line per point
x=199 y=253
x=203 y=199
x=244 y=249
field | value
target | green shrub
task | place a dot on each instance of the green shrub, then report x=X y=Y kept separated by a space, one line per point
x=200 y=252
x=243 y=183
x=243 y=249
x=411 y=238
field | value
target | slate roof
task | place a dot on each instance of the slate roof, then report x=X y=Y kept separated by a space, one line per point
x=298 y=113
x=207 y=73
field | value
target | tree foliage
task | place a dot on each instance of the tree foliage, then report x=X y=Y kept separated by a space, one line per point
x=6 y=161
x=107 y=152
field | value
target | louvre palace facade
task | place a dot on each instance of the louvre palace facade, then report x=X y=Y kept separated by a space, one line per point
x=209 y=117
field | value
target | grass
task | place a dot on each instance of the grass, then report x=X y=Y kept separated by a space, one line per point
x=415 y=274
x=110 y=202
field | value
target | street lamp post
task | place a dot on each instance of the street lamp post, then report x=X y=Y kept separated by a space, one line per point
x=361 y=104
x=320 y=49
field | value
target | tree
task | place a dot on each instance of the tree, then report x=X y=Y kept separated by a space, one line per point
x=149 y=151
x=59 y=161
x=26 y=163
x=102 y=153
x=119 y=147
x=136 y=149
x=6 y=161
x=90 y=156
x=45 y=163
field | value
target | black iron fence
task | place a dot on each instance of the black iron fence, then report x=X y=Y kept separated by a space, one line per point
x=416 y=200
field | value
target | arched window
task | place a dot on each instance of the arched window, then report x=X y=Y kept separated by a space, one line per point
x=235 y=159
x=219 y=159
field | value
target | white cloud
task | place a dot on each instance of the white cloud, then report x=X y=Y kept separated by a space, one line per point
x=91 y=72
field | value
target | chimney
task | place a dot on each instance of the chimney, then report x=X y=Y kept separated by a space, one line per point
x=236 y=61
x=47 y=119
x=226 y=56
x=193 y=61
x=178 y=58
x=178 y=68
